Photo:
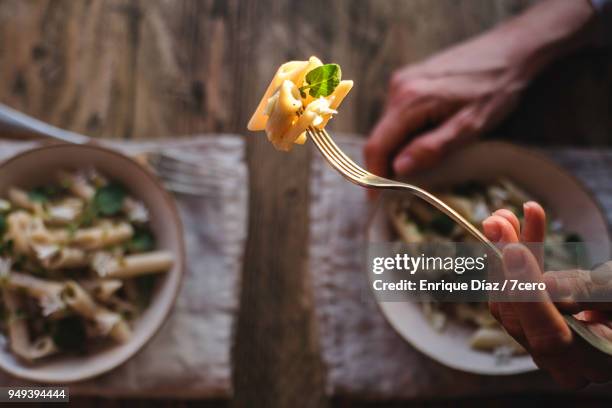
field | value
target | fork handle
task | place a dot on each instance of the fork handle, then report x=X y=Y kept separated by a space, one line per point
x=24 y=125
x=576 y=325
x=446 y=209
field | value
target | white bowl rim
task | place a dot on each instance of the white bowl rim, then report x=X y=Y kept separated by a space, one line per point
x=31 y=375
x=384 y=306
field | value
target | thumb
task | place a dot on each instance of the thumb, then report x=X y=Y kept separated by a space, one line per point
x=578 y=290
x=426 y=150
x=391 y=132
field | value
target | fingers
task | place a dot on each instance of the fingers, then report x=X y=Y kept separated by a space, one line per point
x=548 y=338
x=391 y=132
x=538 y=325
x=545 y=329
x=499 y=230
x=534 y=229
x=575 y=291
x=426 y=150
x=511 y=218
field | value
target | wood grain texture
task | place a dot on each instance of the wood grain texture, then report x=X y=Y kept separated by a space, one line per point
x=153 y=68
x=157 y=68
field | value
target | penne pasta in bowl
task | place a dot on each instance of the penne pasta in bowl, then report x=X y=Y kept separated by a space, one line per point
x=91 y=260
x=476 y=181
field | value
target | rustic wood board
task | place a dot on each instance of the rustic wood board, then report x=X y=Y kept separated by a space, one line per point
x=364 y=356
x=140 y=69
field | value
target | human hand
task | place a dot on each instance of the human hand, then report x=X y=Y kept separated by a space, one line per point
x=442 y=103
x=455 y=96
x=538 y=325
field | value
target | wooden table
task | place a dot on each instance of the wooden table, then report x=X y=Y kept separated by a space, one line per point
x=151 y=68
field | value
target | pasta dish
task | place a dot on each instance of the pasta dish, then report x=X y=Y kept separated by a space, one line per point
x=416 y=222
x=78 y=265
x=302 y=94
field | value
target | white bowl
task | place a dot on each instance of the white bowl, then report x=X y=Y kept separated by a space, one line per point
x=35 y=167
x=558 y=191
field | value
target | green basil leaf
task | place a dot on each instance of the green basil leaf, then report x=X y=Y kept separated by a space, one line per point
x=573 y=237
x=2 y=224
x=69 y=334
x=108 y=199
x=146 y=286
x=6 y=248
x=142 y=241
x=43 y=194
x=38 y=195
x=442 y=224
x=323 y=80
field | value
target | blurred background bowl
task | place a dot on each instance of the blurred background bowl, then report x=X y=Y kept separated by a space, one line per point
x=38 y=166
x=560 y=193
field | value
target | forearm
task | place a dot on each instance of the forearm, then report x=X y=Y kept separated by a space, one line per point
x=548 y=31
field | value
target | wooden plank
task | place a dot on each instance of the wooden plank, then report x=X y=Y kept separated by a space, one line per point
x=155 y=68
x=70 y=63
x=275 y=333
x=277 y=363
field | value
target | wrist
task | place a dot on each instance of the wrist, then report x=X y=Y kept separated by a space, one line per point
x=547 y=32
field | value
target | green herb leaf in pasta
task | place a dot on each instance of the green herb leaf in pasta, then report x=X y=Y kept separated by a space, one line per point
x=442 y=224
x=6 y=248
x=20 y=260
x=68 y=334
x=142 y=241
x=146 y=286
x=2 y=225
x=322 y=80
x=108 y=199
x=573 y=237
x=38 y=195
x=42 y=194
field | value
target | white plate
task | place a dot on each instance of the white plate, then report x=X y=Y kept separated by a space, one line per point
x=37 y=166
x=558 y=191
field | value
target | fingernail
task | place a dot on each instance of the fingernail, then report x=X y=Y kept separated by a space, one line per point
x=492 y=230
x=514 y=259
x=526 y=207
x=403 y=165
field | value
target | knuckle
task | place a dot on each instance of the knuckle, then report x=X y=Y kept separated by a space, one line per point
x=401 y=86
x=428 y=147
x=409 y=89
x=468 y=123
x=584 y=289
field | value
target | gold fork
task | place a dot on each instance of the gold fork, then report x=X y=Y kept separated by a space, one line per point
x=357 y=175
